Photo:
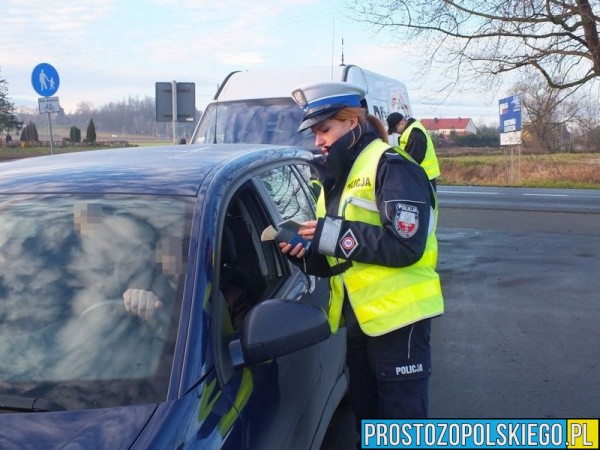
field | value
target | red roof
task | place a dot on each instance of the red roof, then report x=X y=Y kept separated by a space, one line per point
x=458 y=123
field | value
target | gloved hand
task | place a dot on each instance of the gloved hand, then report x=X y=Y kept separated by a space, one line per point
x=141 y=303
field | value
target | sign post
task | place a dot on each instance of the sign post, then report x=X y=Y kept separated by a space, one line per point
x=45 y=82
x=510 y=128
x=175 y=102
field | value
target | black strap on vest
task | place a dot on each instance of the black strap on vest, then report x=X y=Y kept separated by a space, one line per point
x=340 y=268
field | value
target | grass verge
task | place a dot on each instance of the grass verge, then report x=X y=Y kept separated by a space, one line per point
x=562 y=170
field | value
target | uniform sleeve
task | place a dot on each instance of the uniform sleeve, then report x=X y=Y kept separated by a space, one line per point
x=416 y=145
x=403 y=200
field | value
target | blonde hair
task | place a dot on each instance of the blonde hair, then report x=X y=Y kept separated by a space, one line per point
x=363 y=117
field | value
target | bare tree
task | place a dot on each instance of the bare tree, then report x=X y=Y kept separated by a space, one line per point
x=557 y=38
x=548 y=111
x=84 y=108
x=587 y=123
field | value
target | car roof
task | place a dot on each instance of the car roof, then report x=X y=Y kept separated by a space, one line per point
x=163 y=170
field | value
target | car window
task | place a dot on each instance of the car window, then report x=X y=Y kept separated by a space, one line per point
x=289 y=191
x=311 y=184
x=251 y=270
x=243 y=276
x=65 y=265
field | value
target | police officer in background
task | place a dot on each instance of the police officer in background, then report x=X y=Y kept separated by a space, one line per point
x=375 y=239
x=415 y=141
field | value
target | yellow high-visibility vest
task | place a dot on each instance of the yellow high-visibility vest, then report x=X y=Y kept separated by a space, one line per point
x=383 y=298
x=430 y=162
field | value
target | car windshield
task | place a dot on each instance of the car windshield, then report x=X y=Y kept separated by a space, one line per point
x=65 y=264
x=263 y=121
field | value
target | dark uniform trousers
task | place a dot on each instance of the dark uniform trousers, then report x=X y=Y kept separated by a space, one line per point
x=389 y=374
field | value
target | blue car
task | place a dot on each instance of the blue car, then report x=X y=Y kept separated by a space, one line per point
x=141 y=309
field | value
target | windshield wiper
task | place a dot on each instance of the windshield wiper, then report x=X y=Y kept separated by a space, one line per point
x=28 y=404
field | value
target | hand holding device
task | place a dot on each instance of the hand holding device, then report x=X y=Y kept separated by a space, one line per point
x=287 y=231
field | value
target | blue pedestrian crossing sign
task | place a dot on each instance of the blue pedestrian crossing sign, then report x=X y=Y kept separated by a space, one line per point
x=44 y=79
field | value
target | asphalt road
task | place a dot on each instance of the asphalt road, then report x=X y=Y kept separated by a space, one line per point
x=520 y=337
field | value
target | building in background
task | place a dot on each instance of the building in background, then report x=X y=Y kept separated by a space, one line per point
x=446 y=127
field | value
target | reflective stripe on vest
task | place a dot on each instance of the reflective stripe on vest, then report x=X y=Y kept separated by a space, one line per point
x=430 y=162
x=383 y=298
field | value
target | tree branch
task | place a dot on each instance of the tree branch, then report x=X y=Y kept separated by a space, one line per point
x=558 y=33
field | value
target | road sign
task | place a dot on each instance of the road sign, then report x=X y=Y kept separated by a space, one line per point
x=510 y=113
x=510 y=120
x=48 y=105
x=185 y=102
x=45 y=80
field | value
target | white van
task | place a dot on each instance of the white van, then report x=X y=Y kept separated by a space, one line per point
x=256 y=106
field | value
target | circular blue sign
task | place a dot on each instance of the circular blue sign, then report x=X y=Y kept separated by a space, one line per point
x=45 y=80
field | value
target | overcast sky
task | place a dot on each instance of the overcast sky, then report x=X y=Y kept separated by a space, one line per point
x=108 y=50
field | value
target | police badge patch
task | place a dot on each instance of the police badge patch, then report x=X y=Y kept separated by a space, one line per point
x=406 y=220
x=348 y=243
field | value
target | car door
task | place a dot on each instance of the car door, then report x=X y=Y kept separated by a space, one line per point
x=281 y=402
x=289 y=188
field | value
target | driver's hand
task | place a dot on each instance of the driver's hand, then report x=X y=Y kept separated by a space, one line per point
x=141 y=303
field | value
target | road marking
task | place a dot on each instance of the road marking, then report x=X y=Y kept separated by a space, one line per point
x=548 y=195
x=468 y=192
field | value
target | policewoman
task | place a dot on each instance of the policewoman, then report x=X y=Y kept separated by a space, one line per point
x=375 y=239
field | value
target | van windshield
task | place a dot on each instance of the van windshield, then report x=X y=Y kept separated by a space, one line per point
x=261 y=121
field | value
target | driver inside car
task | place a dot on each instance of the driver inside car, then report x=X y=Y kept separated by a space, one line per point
x=170 y=258
x=117 y=258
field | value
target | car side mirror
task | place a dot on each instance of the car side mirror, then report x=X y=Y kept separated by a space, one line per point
x=278 y=327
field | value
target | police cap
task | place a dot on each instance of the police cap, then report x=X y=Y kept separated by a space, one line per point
x=321 y=100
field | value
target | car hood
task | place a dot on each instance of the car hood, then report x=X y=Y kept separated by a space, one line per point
x=110 y=428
